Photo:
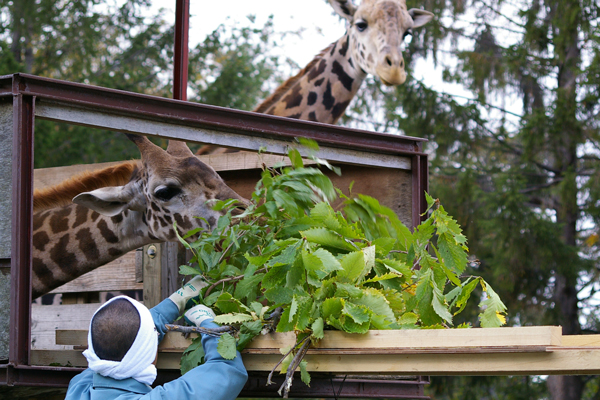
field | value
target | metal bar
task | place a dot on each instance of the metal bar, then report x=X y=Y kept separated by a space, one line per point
x=22 y=206
x=122 y=123
x=180 y=68
x=219 y=119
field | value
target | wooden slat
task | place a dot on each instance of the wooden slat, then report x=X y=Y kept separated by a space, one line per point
x=565 y=362
x=242 y=160
x=118 y=275
x=494 y=338
x=45 y=320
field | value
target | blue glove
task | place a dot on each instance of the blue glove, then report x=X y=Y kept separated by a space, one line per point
x=198 y=314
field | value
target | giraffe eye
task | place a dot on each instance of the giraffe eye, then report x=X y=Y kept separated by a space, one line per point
x=166 y=193
x=361 y=25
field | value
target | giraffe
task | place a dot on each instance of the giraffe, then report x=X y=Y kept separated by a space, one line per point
x=71 y=238
x=323 y=89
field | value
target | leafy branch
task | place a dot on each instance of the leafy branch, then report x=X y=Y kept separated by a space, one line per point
x=295 y=263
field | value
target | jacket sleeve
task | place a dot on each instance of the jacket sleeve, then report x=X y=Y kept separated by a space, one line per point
x=164 y=313
x=80 y=386
x=216 y=379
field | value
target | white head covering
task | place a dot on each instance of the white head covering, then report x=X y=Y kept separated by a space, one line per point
x=137 y=362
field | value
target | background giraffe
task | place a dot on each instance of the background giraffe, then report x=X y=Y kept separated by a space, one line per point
x=323 y=89
x=100 y=225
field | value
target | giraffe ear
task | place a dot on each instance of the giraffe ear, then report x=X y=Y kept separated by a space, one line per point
x=179 y=149
x=108 y=201
x=344 y=8
x=420 y=17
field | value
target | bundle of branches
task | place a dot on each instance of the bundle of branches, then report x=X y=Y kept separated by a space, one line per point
x=293 y=262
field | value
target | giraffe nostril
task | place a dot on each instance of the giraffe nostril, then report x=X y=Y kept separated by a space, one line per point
x=388 y=60
x=401 y=63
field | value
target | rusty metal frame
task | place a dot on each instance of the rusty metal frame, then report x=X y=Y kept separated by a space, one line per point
x=33 y=96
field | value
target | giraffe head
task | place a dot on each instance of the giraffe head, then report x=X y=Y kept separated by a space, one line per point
x=377 y=29
x=169 y=186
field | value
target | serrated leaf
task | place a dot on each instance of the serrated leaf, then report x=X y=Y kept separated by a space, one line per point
x=465 y=294
x=327 y=238
x=188 y=270
x=192 y=356
x=233 y=318
x=383 y=277
x=279 y=295
x=360 y=314
x=317 y=328
x=493 y=315
x=304 y=375
x=375 y=301
x=353 y=265
x=453 y=254
x=227 y=346
x=248 y=331
x=347 y=290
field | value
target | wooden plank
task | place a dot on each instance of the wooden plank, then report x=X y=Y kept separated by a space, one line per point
x=564 y=362
x=45 y=320
x=118 y=275
x=44 y=177
x=515 y=339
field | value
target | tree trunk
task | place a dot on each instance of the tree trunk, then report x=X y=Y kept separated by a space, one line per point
x=566 y=18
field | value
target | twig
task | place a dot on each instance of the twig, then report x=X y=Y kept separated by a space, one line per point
x=289 y=376
x=269 y=381
x=233 y=278
x=215 y=332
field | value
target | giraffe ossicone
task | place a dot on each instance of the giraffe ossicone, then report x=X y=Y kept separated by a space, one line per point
x=100 y=225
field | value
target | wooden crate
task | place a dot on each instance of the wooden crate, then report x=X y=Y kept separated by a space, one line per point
x=476 y=351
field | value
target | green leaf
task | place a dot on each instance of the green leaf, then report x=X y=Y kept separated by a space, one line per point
x=304 y=375
x=360 y=314
x=192 y=356
x=375 y=301
x=234 y=318
x=347 y=290
x=353 y=265
x=454 y=255
x=227 y=346
x=188 y=270
x=327 y=238
x=248 y=331
x=494 y=314
x=317 y=328
x=295 y=158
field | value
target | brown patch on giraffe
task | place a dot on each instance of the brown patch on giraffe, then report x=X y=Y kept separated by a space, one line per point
x=319 y=82
x=333 y=49
x=156 y=227
x=107 y=233
x=87 y=245
x=295 y=116
x=154 y=206
x=169 y=219
x=276 y=96
x=81 y=214
x=312 y=116
x=59 y=222
x=115 y=252
x=312 y=98
x=65 y=260
x=315 y=72
x=344 y=47
x=95 y=215
x=339 y=109
x=183 y=223
x=40 y=240
x=63 y=193
x=294 y=99
x=346 y=79
x=117 y=218
x=39 y=218
x=328 y=99
x=44 y=274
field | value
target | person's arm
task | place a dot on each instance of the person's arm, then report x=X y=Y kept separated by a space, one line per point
x=216 y=379
x=170 y=308
x=80 y=385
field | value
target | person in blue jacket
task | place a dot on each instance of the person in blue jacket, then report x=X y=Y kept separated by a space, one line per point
x=123 y=347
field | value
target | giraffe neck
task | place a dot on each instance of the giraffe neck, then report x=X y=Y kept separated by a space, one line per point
x=72 y=240
x=322 y=90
